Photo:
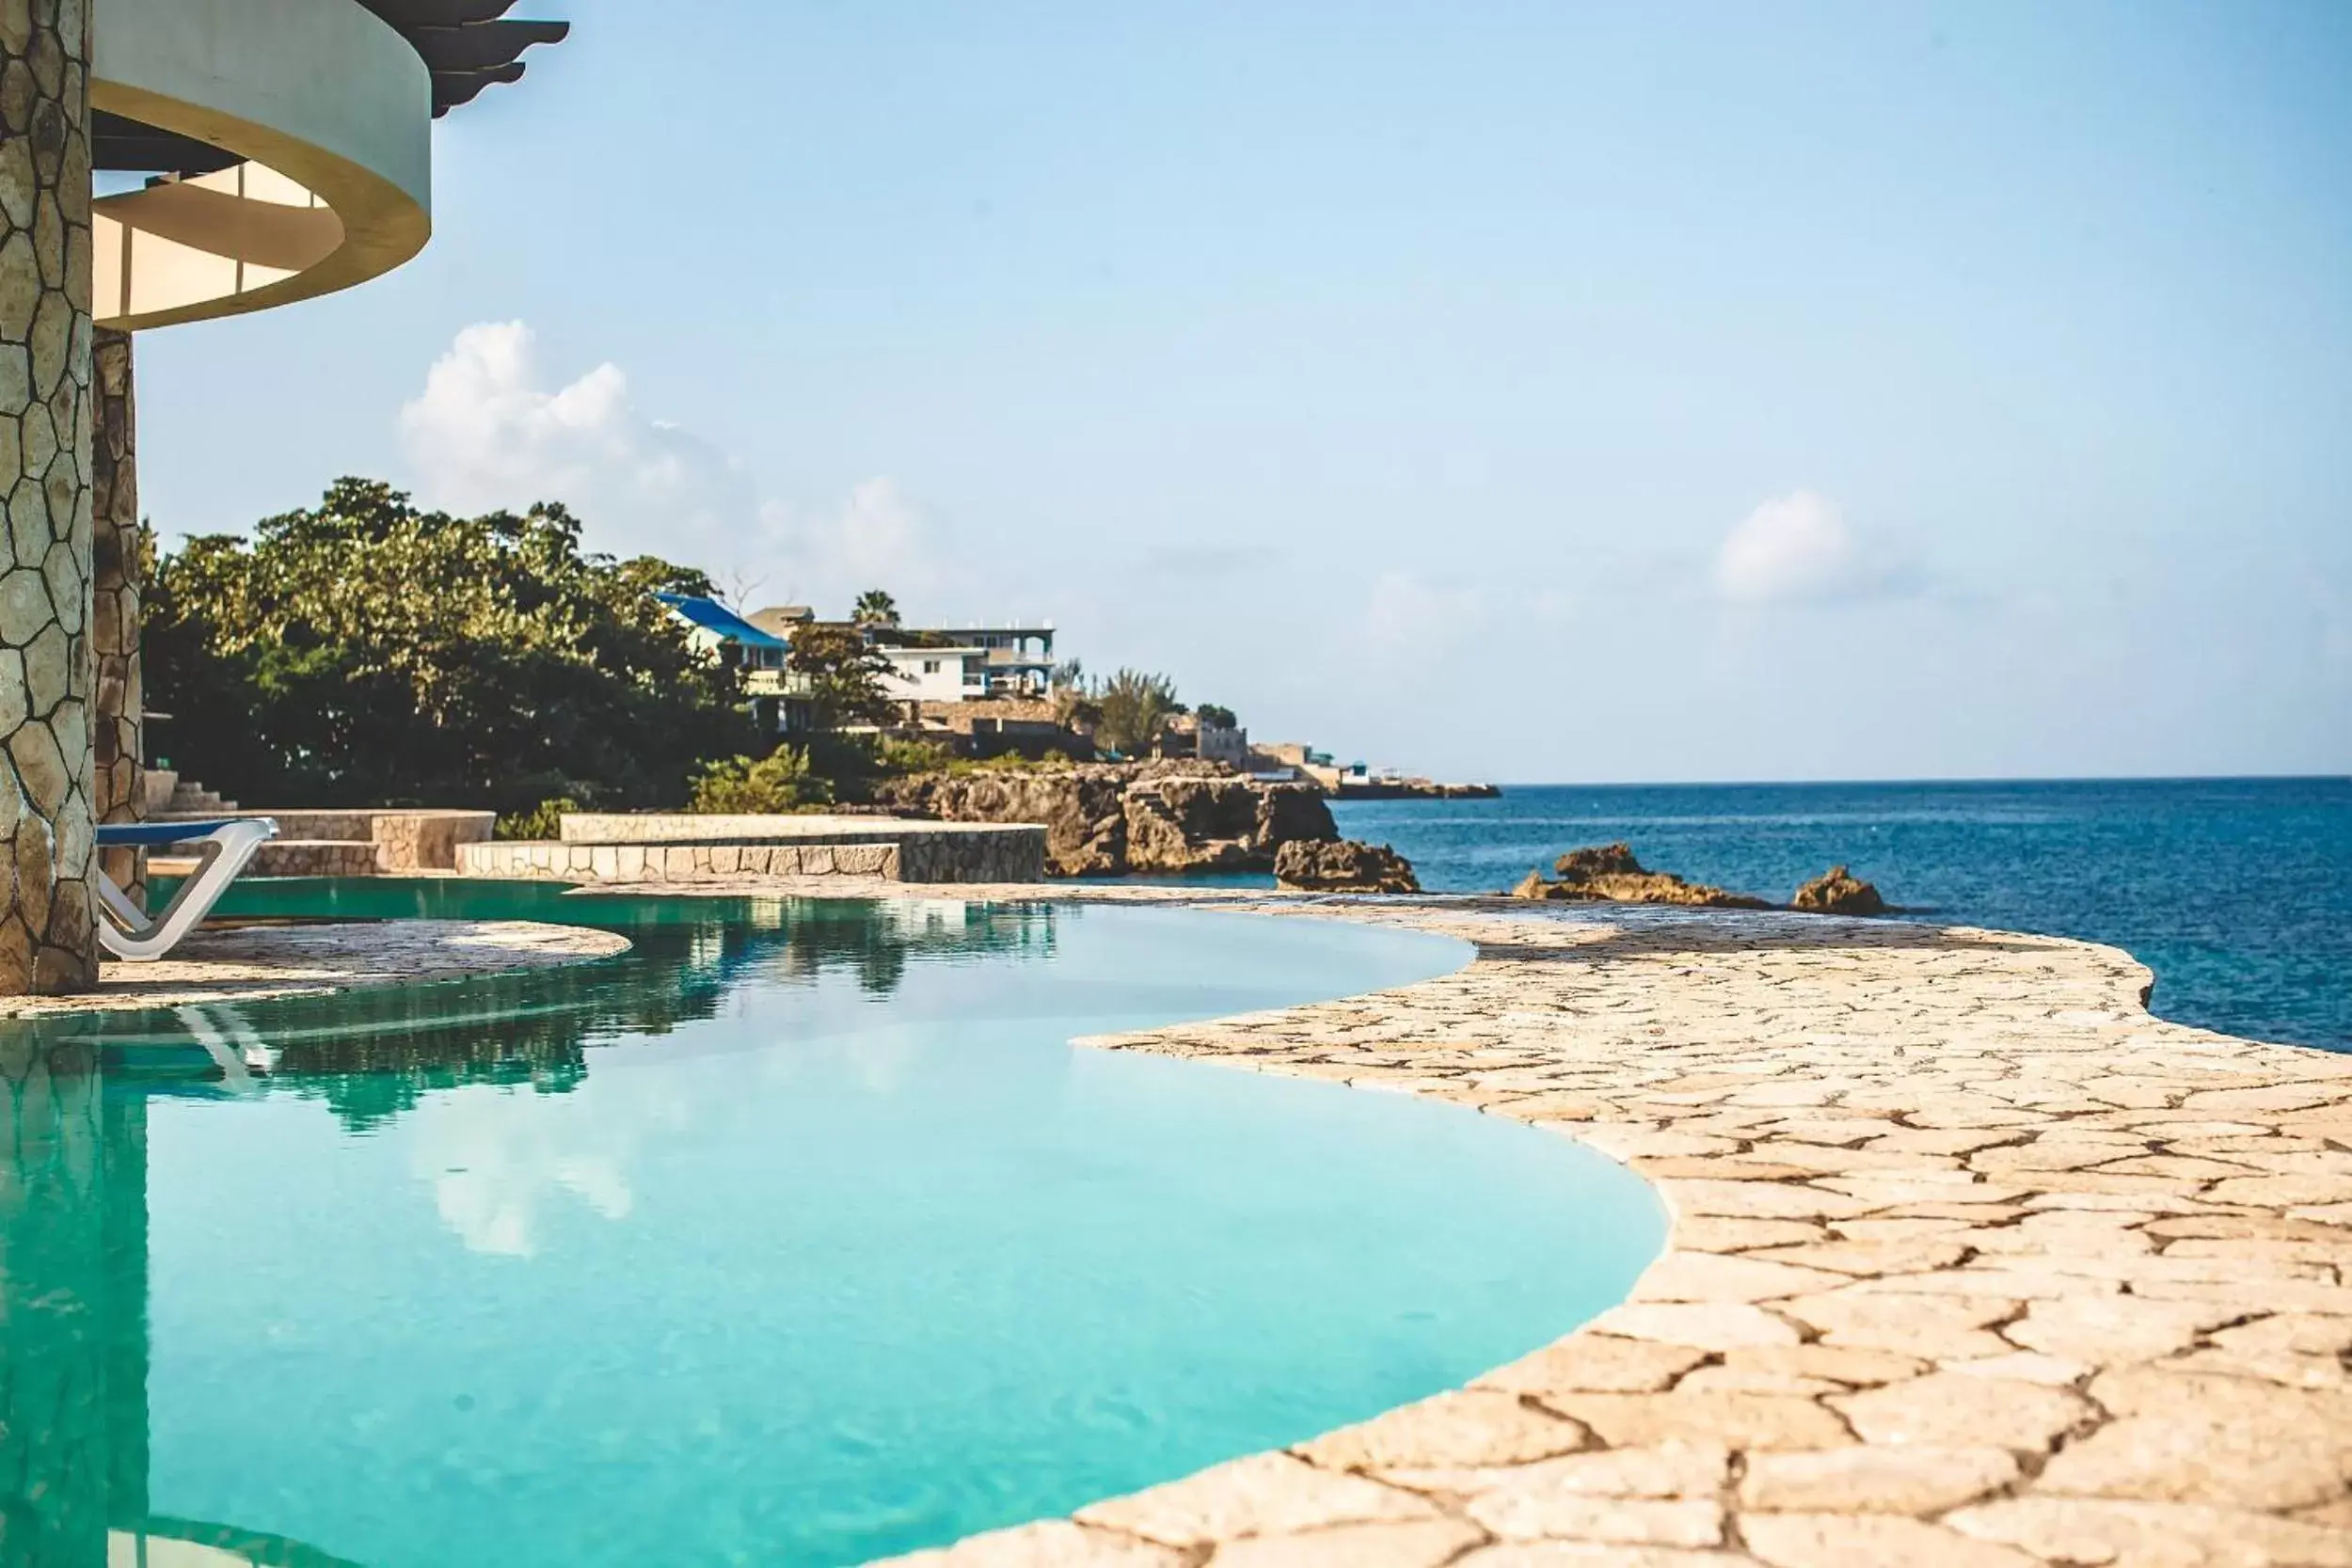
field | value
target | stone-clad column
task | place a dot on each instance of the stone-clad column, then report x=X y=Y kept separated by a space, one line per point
x=48 y=931
x=119 y=580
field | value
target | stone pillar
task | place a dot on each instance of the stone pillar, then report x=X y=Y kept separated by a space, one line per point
x=119 y=581
x=48 y=920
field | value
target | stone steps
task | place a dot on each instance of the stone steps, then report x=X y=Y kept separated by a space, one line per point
x=189 y=799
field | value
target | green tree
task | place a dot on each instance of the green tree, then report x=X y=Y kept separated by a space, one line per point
x=875 y=608
x=1216 y=717
x=366 y=653
x=1135 y=706
x=844 y=675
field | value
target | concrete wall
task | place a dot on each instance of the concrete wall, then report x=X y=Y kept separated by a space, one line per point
x=332 y=106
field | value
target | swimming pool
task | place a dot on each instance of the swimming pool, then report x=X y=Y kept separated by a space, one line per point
x=799 y=1235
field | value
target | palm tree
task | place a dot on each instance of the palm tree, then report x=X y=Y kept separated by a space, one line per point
x=875 y=608
x=1136 y=707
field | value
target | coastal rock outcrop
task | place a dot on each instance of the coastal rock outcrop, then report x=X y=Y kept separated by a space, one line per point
x=1839 y=891
x=1343 y=865
x=1228 y=823
x=1083 y=810
x=1105 y=819
x=1610 y=872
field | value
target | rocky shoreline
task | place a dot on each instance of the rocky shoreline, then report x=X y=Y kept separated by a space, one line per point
x=1412 y=789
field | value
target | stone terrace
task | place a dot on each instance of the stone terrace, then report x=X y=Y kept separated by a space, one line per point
x=1972 y=1262
x=253 y=963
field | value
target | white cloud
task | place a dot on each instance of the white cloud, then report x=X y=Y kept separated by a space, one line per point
x=493 y=429
x=1800 y=548
x=489 y=429
x=495 y=1158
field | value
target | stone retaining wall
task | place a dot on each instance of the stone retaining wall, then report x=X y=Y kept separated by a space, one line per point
x=679 y=827
x=895 y=851
x=312 y=857
x=364 y=843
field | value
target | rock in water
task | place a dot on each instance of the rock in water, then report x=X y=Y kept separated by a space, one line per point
x=1605 y=860
x=1839 y=891
x=1610 y=872
x=1343 y=865
x=1533 y=886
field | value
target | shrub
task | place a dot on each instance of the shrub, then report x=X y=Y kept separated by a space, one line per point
x=739 y=786
x=896 y=757
x=541 y=822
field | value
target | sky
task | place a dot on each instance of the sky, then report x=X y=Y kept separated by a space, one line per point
x=1525 y=391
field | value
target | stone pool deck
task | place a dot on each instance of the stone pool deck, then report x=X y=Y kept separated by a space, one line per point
x=253 y=963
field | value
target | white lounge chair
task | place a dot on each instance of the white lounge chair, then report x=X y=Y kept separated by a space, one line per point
x=129 y=933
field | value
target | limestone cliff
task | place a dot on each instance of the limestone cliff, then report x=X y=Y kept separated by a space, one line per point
x=1343 y=865
x=1105 y=819
x=1201 y=823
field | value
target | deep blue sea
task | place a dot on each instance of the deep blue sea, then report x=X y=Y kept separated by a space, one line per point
x=2236 y=892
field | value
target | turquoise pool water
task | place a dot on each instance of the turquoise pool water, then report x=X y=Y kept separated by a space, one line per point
x=799 y=1236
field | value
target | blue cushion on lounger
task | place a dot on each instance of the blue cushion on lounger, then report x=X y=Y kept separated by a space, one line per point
x=120 y=835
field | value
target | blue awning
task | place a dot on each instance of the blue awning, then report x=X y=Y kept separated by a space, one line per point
x=720 y=621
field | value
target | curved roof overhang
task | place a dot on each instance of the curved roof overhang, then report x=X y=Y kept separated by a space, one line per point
x=293 y=137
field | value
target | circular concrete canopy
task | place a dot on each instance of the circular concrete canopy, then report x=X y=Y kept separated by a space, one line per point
x=297 y=139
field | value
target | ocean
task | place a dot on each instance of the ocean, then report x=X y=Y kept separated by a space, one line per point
x=2237 y=893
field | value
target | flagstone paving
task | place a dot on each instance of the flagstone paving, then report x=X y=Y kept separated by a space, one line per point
x=1972 y=1262
x=252 y=964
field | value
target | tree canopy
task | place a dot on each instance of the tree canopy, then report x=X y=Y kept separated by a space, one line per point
x=366 y=653
x=844 y=675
